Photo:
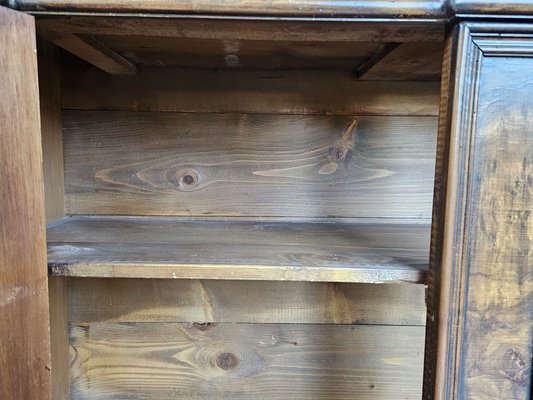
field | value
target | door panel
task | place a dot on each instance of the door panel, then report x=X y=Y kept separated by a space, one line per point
x=480 y=337
x=24 y=328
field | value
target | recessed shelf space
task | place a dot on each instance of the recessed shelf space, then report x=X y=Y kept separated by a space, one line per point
x=158 y=247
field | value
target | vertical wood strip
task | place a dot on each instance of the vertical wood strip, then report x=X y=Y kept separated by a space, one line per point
x=24 y=330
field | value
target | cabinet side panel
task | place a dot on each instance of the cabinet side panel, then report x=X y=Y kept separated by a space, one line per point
x=24 y=332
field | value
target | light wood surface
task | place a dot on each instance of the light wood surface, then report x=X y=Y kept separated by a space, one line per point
x=24 y=329
x=207 y=249
x=282 y=92
x=234 y=361
x=198 y=164
x=267 y=302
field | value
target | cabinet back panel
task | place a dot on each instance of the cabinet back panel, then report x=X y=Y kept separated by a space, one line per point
x=210 y=301
x=245 y=361
x=198 y=164
x=245 y=91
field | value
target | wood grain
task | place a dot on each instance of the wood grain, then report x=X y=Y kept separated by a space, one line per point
x=234 y=361
x=93 y=51
x=235 y=29
x=247 y=165
x=282 y=92
x=486 y=295
x=409 y=62
x=51 y=129
x=59 y=337
x=210 y=249
x=429 y=9
x=25 y=353
x=52 y=147
x=243 y=54
x=267 y=302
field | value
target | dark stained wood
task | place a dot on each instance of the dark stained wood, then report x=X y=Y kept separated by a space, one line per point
x=431 y=9
x=206 y=249
x=24 y=335
x=484 y=274
x=409 y=62
x=379 y=54
x=93 y=51
x=231 y=53
x=128 y=163
x=245 y=361
x=281 y=92
x=267 y=302
x=482 y=8
x=234 y=29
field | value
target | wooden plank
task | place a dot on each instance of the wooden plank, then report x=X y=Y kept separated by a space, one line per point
x=234 y=29
x=242 y=361
x=263 y=54
x=206 y=249
x=378 y=55
x=248 y=165
x=429 y=9
x=51 y=129
x=409 y=62
x=93 y=51
x=484 y=343
x=268 y=302
x=282 y=92
x=25 y=354
x=59 y=335
x=52 y=145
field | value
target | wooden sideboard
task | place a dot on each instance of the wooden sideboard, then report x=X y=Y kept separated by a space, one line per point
x=299 y=200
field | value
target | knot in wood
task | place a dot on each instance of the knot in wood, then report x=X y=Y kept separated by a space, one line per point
x=227 y=361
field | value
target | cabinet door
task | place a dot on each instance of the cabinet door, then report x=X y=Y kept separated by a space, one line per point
x=24 y=331
x=481 y=300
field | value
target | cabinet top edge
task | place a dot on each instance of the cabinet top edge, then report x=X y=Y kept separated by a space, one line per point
x=392 y=10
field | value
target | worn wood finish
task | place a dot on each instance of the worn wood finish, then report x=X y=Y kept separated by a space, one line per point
x=52 y=147
x=429 y=9
x=235 y=29
x=59 y=337
x=265 y=54
x=409 y=62
x=233 y=361
x=93 y=51
x=207 y=249
x=248 y=165
x=485 y=336
x=282 y=92
x=24 y=334
x=267 y=302
x=51 y=130
x=481 y=8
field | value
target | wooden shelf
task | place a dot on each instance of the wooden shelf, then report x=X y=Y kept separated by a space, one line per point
x=157 y=247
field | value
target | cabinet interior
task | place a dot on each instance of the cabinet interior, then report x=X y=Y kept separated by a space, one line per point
x=238 y=208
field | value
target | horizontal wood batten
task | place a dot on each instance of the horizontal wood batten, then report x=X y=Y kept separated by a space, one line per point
x=173 y=249
x=244 y=29
x=267 y=302
x=269 y=92
x=131 y=163
x=245 y=361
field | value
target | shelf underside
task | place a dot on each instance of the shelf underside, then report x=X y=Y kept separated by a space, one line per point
x=156 y=247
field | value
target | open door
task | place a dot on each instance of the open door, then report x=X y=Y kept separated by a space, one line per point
x=24 y=327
